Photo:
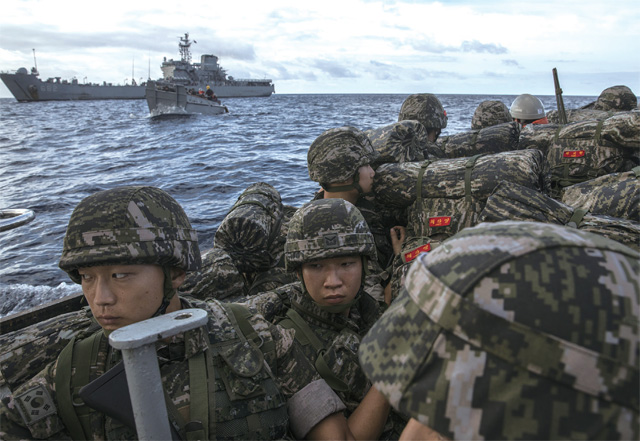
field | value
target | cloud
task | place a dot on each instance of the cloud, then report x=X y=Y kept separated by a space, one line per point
x=430 y=46
x=476 y=46
x=513 y=63
x=334 y=69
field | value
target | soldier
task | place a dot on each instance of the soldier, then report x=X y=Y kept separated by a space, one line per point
x=340 y=161
x=514 y=330
x=327 y=246
x=427 y=109
x=615 y=98
x=528 y=109
x=490 y=113
x=130 y=249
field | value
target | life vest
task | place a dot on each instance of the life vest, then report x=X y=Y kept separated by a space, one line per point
x=246 y=402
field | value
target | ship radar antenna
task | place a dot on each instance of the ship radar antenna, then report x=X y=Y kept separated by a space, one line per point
x=184 y=45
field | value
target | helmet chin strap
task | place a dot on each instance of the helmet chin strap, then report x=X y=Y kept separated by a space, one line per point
x=353 y=186
x=168 y=292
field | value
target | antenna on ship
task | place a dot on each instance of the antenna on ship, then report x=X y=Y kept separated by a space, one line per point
x=184 y=45
x=35 y=69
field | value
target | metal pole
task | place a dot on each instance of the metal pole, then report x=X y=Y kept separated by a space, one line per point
x=137 y=343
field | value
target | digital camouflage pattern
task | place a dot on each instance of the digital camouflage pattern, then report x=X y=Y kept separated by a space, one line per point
x=250 y=228
x=145 y=225
x=617 y=195
x=219 y=278
x=25 y=351
x=396 y=185
x=538 y=136
x=515 y=202
x=490 y=113
x=495 y=139
x=248 y=404
x=616 y=98
x=514 y=330
x=589 y=149
x=577 y=115
x=340 y=337
x=404 y=141
x=324 y=229
x=337 y=154
x=399 y=142
x=426 y=108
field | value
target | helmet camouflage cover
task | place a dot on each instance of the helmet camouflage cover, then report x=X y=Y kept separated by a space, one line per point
x=514 y=330
x=324 y=229
x=426 y=108
x=490 y=113
x=616 y=98
x=129 y=226
x=337 y=154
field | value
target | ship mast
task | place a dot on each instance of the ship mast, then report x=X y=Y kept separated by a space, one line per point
x=184 y=45
x=35 y=64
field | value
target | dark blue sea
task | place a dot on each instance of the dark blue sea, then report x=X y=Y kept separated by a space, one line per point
x=56 y=153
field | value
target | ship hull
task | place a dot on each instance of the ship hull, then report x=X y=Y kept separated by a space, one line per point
x=28 y=88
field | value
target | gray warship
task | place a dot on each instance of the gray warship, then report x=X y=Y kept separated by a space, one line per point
x=26 y=86
x=209 y=73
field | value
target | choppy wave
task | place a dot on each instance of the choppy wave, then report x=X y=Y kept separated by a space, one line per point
x=56 y=153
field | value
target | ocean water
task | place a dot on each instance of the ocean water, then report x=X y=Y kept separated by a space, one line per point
x=53 y=154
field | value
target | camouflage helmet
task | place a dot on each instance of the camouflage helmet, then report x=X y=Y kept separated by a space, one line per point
x=324 y=229
x=616 y=98
x=514 y=330
x=426 y=108
x=337 y=154
x=129 y=226
x=527 y=107
x=490 y=113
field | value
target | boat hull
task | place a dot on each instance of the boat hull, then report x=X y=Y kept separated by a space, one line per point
x=174 y=100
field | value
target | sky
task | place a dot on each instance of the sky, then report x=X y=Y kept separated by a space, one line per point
x=337 y=46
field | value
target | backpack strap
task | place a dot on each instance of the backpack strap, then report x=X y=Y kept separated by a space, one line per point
x=80 y=354
x=423 y=170
x=241 y=314
x=576 y=217
x=471 y=163
x=299 y=324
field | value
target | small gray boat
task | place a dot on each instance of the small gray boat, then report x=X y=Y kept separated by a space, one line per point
x=166 y=99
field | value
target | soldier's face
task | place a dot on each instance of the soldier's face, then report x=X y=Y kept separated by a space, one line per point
x=333 y=281
x=120 y=295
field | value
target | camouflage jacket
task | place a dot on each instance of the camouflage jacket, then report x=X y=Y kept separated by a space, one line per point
x=339 y=335
x=19 y=419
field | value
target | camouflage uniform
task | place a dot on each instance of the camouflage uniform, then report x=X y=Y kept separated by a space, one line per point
x=615 y=98
x=335 y=156
x=144 y=225
x=238 y=374
x=425 y=108
x=514 y=330
x=490 y=113
x=326 y=229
